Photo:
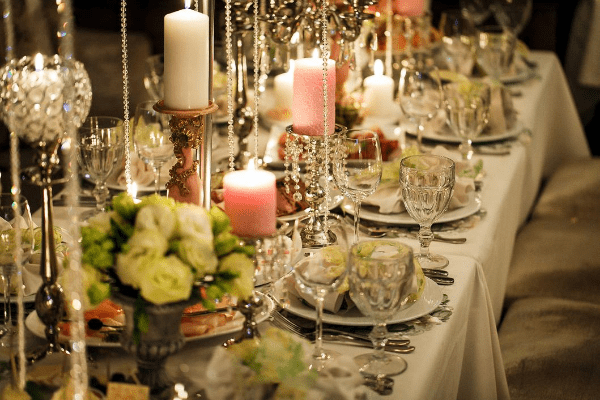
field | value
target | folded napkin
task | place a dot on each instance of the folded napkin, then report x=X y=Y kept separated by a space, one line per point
x=388 y=196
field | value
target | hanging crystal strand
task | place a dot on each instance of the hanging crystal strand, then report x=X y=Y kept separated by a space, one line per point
x=229 y=57
x=256 y=82
x=79 y=373
x=125 y=61
x=325 y=55
x=9 y=31
x=15 y=166
x=388 y=40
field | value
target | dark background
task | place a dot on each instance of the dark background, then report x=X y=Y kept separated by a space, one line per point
x=97 y=36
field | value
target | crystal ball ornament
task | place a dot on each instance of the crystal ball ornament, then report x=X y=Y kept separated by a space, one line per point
x=33 y=101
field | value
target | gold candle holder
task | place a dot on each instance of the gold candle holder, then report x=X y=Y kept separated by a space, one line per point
x=187 y=133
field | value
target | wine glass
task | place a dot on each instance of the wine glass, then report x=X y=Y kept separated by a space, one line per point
x=420 y=94
x=322 y=270
x=151 y=134
x=357 y=167
x=476 y=10
x=427 y=182
x=458 y=41
x=381 y=274
x=153 y=77
x=13 y=216
x=467 y=111
x=496 y=50
x=512 y=15
x=101 y=148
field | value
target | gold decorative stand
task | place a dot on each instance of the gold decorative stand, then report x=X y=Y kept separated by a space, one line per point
x=187 y=133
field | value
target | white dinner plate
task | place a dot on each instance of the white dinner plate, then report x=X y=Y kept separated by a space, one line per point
x=445 y=135
x=37 y=327
x=370 y=213
x=429 y=300
x=521 y=74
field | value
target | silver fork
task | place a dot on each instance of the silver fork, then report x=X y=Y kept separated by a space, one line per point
x=334 y=335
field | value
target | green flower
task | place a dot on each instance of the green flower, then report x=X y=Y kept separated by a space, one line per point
x=193 y=221
x=242 y=266
x=220 y=220
x=166 y=280
x=199 y=254
x=157 y=217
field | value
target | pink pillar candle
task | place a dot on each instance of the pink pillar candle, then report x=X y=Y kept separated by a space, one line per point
x=410 y=8
x=308 y=100
x=251 y=202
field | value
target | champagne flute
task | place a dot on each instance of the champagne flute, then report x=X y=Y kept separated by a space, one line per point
x=101 y=148
x=357 y=167
x=381 y=274
x=151 y=134
x=13 y=216
x=420 y=94
x=320 y=271
x=467 y=111
x=427 y=182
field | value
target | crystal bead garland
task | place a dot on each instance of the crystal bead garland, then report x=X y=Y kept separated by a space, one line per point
x=325 y=54
x=126 y=126
x=229 y=58
x=9 y=32
x=256 y=82
x=79 y=373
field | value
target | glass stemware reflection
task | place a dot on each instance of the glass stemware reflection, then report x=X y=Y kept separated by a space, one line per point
x=458 y=39
x=151 y=138
x=357 y=167
x=427 y=182
x=101 y=149
x=13 y=216
x=320 y=271
x=381 y=274
x=512 y=15
x=153 y=77
x=467 y=111
x=476 y=10
x=420 y=94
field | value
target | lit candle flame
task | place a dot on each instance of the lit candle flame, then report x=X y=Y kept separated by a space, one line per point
x=38 y=62
x=378 y=68
x=132 y=190
x=315 y=53
x=188 y=3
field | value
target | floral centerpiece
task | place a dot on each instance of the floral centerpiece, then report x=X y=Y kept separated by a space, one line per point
x=162 y=251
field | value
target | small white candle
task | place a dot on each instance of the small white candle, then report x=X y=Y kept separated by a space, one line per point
x=379 y=92
x=250 y=199
x=186 y=60
x=284 y=88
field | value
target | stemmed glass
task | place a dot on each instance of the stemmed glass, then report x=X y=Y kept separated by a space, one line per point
x=467 y=111
x=476 y=10
x=380 y=276
x=153 y=77
x=427 y=182
x=420 y=94
x=151 y=134
x=512 y=15
x=13 y=216
x=458 y=40
x=357 y=167
x=320 y=271
x=101 y=148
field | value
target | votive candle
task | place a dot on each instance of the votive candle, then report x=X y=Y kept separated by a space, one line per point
x=308 y=99
x=379 y=91
x=250 y=202
x=186 y=60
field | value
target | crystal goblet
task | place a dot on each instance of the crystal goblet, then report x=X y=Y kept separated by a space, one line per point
x=15 y=218
x=467 y=111
x=322 y=270
x=151 y=139
x=357 y=167
x=381 y=274
x=427 y=182
x=101 y=148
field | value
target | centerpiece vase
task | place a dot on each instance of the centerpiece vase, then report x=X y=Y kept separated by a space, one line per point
x=152 y=348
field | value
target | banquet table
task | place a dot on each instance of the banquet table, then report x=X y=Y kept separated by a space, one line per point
x=460 y=357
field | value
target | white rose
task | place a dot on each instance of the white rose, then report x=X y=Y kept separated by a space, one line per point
x=145 y=246
x=193 y=221
x=199 y=254
x=156 y=217
x=101 y=221
x=166 y=280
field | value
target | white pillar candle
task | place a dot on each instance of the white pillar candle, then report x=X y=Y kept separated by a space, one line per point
x=283 y=85
x=250 y=199
x=379 y=92
x=307 y=103
x=186 y=60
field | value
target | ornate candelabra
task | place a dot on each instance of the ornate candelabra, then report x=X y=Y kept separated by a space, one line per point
x=33 y=105
x=187 y=131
